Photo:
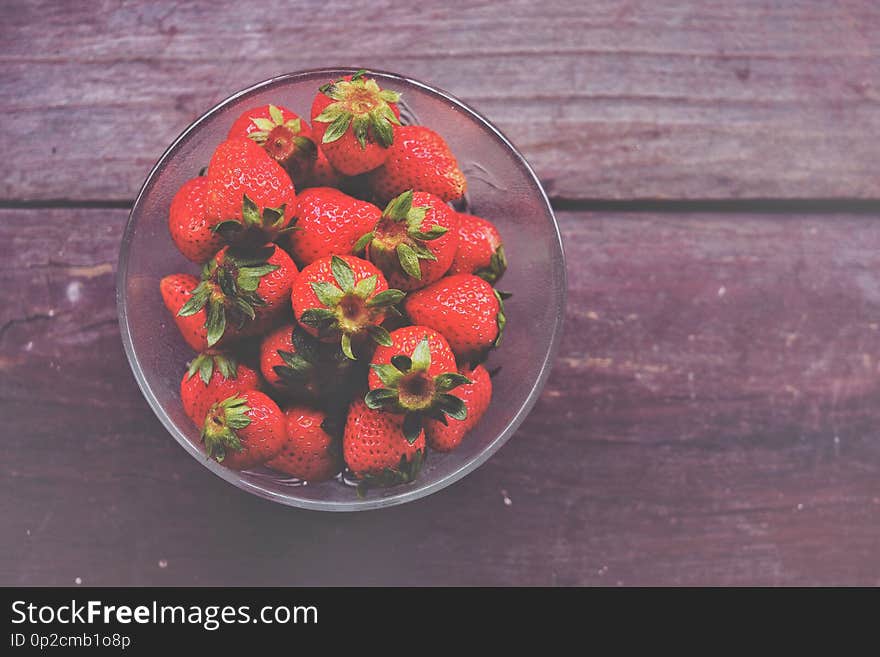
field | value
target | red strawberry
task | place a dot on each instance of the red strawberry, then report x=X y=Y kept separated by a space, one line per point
x=248 y=192
x=404 y=341
x=413 y=376
x=289 y=360
x=188 y=222
x=176 y=292
x=476 y=397
x=444 y=437
x=242 y=289
x=354 y=121
x=479 y=250
x=344 y=299
x=419 y=159
x=330 y=223
x=465 y=308
x=294 y=362
x=279 y=340
x=414 y=242
x=219 y=376
x=323 y=173
x=375 y=448
x=309 y=453
x=285 y=136
x=244 y=430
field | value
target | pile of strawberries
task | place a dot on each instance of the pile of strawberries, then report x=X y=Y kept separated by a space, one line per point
x=369 y=325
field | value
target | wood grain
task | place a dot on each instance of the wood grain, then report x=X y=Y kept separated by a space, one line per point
x=607 y=99
x=711 y=419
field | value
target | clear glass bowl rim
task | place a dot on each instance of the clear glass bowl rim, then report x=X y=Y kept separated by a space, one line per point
x=407 y=494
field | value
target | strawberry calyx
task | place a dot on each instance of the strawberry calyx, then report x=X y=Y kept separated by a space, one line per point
x=501 y=318
x=409 y=389
x=276 y=120
x=361 y=104
x=281 y=138
x=207 y=361
x=263 y=226
x=405 y=472
x=497 y=266
x=350 y=310
x=224 y=419
x=398 y=240
x=300 y=366
x=228 y=290
x=314 y=371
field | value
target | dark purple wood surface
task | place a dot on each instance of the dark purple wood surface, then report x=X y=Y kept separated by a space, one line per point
x=607 y=99
x=711 y=418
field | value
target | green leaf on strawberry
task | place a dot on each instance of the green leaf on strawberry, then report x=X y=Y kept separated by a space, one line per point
x=409 y=389
x=497 y=266
x=265 y=126
x=403 y=237
x=360 y=104
x=219 y=431
x=502 y=317
x=299 y=365
x=405 y=472
x=362 y=242
x=268 y=223
x=228 y=291
x=350 y=307
x=206 y=362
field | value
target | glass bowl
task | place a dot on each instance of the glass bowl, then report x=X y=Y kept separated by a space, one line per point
x=501 y=187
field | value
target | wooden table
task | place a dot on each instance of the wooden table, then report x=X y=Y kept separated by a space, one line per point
x=712 y=417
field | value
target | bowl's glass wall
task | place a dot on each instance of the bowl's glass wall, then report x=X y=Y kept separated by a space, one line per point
x=501 y=188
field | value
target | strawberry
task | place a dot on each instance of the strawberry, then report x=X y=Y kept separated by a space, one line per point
x=413 y=376
x=244 y=430
x=273 y=344
x=476 y=397
x=292 y=361
x=219 y=376
x=329 y=223
x=248 y=192
x=310 y=452
x=414 y=242
x=354 y=121
x=375 y=448
x=344 y=299
x=404 y=341
x=243 y=289
x=188 y=222
x=465 y=308
x=284 y=135
x=323 y=173
x=479 y=250
x=418 y=159
x=176 y=292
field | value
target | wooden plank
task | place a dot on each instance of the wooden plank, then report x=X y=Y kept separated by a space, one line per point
x=711 y=419
x=608 y=100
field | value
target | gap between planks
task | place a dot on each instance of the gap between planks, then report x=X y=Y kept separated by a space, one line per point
x=676 y=206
